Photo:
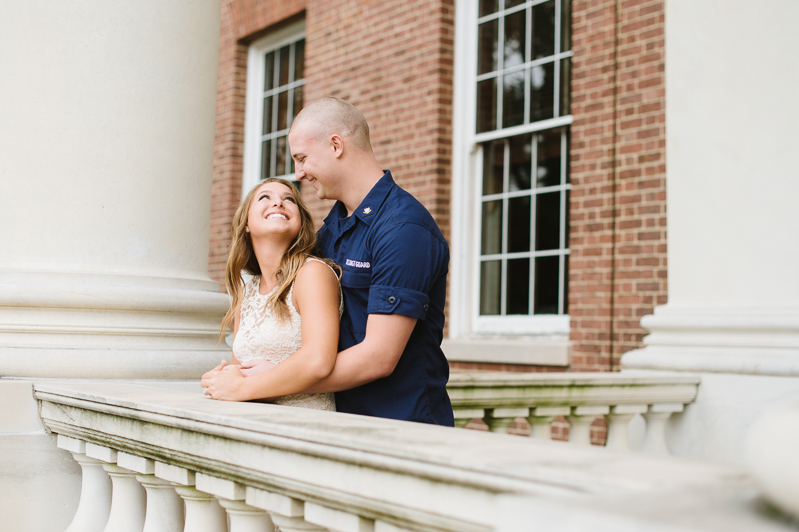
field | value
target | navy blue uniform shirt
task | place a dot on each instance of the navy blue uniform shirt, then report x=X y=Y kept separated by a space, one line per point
x=394 y=261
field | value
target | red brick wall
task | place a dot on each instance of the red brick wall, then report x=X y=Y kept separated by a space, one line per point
x=391 y=59
x=618 y=119
x=242 y=20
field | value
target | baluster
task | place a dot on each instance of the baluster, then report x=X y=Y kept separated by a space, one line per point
x=619 y=423
x=128 y=499
x=541 y=418
x=164 y=507
x=203 y=512
x=656 y=418
x=382 y=526
x=232 y=495
x=336 y=520
x=500 y=419
x=464 y=415
x=580 y=423
x=95 y=489
x=287 y=513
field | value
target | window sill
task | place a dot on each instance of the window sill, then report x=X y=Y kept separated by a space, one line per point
x=548 y=351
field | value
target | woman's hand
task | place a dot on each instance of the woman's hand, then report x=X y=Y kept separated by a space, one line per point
x=224 y=384
x=254 y=367
x=218 y=368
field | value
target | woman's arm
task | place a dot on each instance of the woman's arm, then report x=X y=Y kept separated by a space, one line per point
x=316 y=297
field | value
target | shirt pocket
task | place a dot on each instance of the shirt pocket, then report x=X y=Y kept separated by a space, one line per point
x=356 y=277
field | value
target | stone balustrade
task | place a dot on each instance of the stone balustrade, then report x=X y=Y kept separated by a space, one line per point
x=500 y=398
x=157 y=460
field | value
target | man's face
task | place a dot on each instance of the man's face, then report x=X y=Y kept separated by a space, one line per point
x=313 y=159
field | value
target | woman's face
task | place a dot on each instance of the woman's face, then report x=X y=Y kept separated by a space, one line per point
x=274 y=213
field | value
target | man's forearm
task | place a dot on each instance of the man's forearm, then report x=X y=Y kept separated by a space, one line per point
x=354 y=367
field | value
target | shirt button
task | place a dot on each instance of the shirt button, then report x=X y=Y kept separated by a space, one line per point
x=425 y=307
x=392 y=299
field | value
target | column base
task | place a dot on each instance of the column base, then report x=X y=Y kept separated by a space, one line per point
x=109 y=327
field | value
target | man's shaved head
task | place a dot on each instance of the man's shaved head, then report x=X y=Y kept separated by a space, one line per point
x=333 y=116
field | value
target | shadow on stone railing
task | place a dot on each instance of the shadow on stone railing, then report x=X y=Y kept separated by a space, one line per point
x=499 y=399
x=179 y=461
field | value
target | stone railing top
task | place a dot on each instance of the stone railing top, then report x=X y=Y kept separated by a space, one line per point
x=375 y=465
x=493 y=389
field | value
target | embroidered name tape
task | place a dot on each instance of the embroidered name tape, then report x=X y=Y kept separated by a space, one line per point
x=358 y=264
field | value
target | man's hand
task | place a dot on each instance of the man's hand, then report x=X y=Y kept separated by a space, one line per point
x=224 y=384
x=254 y=367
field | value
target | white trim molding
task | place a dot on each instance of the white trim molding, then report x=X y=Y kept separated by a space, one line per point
x=253 y=114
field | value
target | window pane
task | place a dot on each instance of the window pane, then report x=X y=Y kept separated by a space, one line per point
x=549 y=160
x=492 y=228
x=542 y=87
x=284 y=65
x=269 y=71
x=515 y=39
x=487 y=47
x=298 y=99
x=565 y=26
x=543 y=30
x=490 y=277
x=488 y=6
x=493 y=166
x=521 y=154
x=565 y=87
x=513 y=99
x=487 y=105
x=267 y=115
x=518 y=225
x=518 y=290
x=280 y=156
x=546 y=285
x=282 y=110
x=266 y=159
x=513 y=3
x=547 y=221
x=299 y=60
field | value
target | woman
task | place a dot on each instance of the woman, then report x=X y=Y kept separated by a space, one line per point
x=273 y=239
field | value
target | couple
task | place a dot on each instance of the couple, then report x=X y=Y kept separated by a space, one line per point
x=350 y=319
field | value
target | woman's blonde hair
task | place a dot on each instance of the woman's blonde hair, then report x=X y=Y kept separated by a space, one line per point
x=241 y=256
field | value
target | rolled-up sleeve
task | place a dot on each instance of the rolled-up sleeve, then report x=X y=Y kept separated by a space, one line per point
x=408 y=259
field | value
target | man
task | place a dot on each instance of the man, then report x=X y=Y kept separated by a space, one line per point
x=394 y=260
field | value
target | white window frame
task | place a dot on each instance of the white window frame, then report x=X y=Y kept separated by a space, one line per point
x=464 y=295
x=253 y=114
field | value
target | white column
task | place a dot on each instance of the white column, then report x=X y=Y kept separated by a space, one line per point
x=128 y=503
x=232 y=495
x=619 y=425
x=95 y=489
x=541 y=418
x=287 y=513
x=732 y=128
x=106 y=145
x=203 y=513
x=580 y=422
x=164 y=505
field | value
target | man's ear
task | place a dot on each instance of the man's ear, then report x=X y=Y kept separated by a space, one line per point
x=337 y=143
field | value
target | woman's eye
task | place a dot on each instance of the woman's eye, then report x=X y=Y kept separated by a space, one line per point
x=289 y=198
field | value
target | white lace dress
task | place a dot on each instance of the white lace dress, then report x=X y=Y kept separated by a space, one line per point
x=262 y=336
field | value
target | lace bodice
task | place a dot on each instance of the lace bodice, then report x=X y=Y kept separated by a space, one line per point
x=262 y=335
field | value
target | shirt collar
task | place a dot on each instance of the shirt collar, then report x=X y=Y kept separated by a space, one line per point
x=368 y=208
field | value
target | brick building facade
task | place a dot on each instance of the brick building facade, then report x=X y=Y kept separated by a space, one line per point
x=410 y=68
